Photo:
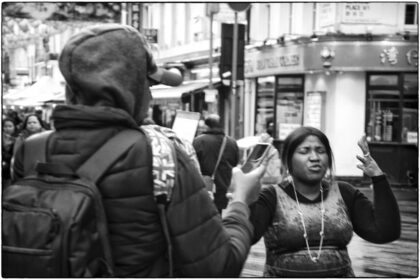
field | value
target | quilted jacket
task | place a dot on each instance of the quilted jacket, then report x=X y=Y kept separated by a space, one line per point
x=105 y=93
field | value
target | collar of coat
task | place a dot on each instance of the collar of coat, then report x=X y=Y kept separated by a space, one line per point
x=218 y=131
x=79 y=116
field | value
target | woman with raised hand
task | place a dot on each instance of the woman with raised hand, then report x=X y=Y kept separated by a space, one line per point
x=309 y=218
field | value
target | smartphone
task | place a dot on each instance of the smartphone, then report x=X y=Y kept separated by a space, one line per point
x=255 y=157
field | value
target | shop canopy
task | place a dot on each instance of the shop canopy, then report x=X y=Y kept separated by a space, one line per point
x=187 y=87
x=46 y=89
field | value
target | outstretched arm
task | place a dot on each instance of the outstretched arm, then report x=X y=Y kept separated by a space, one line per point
x=377 y=222
x=205 y=245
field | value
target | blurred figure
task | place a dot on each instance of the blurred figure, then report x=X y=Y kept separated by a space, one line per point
x=148 y=120
x=31 y=125
x=272 y=173
x=201 y=128
x=16 y=118
x=207 y=146
x=8 y=141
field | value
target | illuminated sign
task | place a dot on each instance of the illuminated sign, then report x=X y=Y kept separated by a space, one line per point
x=413 y=57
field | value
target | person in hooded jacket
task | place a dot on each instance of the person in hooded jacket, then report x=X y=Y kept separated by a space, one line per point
x=107 y=70
x=207 y=146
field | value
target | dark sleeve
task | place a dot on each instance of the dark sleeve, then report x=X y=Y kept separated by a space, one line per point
x=377 y=222
x=204 y=244
x=262 y=212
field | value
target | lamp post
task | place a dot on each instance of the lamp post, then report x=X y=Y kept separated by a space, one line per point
x=236 y=7
x=210 y=94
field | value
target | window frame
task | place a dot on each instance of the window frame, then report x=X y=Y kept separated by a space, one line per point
x=415 y=19
x=398 y=87
x=277 y=92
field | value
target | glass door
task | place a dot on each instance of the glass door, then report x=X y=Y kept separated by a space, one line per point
x=289 y=104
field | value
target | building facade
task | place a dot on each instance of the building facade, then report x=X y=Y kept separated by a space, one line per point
x=355 y=72
x=347 y=68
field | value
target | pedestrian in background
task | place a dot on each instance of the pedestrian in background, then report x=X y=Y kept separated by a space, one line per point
x=308 y=220
x=107 y=70
x=9 y=135
x=31 y=125
x=207 y=147
x=272 y=173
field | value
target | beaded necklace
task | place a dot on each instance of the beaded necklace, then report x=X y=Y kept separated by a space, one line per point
x=321 y=233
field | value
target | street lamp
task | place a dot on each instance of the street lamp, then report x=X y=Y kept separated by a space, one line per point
x=237 y=7
x=211 y=93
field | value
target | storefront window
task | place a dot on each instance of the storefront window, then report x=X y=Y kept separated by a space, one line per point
x=289 y=105
x=265 y=105
x=410 y=108
x=392 y=102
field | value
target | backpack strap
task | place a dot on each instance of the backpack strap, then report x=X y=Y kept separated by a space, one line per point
x=219 y=157
x=37 y=144
x=92 y=169
x=102 y=159
x=162 y=141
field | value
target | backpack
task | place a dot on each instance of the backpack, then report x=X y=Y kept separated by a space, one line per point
x=53 y=222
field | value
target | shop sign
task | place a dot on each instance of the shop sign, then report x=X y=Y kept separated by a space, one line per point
x=413 y=57
x=226 y=14
x=314 y=109
x=326 y=14
x=185 y=124
x=210 y=95
x=272 y=62
x=366 y=55
x=286 y=128
x=412 y=137
x=389 y=55
x=359 y=13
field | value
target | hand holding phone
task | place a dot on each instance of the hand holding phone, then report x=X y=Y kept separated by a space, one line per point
x=246 y=186
x=256 y=157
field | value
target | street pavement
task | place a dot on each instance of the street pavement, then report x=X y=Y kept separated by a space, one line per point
x=395 y=259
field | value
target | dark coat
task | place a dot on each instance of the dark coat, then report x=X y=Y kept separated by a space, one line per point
x=207 y=146
x=106 y=68
x=202 y=246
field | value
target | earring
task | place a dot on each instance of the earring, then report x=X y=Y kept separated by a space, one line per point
x=288 y=177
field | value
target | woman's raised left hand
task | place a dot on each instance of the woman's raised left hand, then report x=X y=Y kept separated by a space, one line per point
x=369 y=165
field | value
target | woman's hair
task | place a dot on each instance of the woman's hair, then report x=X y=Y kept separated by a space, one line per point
x=25 y=122
x=295 y=138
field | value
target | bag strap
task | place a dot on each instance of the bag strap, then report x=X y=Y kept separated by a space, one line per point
x=219 y=157
x=101 y=160
x=92 y=169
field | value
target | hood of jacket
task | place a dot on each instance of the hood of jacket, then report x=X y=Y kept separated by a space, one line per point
x=108 y=65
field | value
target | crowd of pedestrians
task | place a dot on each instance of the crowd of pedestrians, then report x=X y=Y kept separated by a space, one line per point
x=307 y=218
x=16 y=129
